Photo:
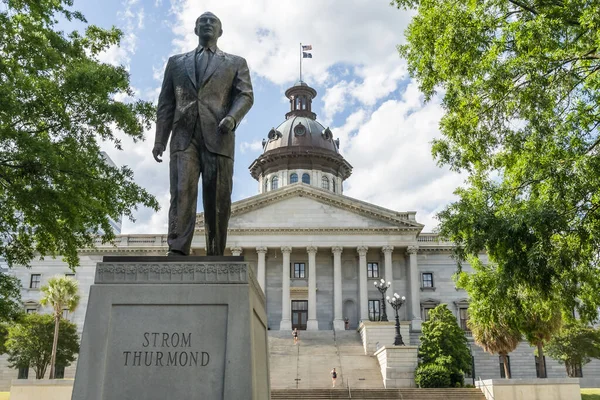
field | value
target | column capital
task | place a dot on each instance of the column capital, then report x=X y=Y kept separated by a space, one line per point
x=311 y=250
x=412 y=249
x=362 y=250
x=236 y=251
x=286 y=249
x=387 y=249
x=337 y=250
x=262 y=250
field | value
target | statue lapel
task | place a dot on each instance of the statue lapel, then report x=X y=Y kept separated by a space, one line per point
x=190 y=66
x=214 y=64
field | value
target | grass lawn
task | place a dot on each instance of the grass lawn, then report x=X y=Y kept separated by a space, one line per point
x=4 y=395
x=586 y=394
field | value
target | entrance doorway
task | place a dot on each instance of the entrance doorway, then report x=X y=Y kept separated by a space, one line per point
x=299 y=314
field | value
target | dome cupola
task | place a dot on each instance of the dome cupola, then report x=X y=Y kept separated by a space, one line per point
x=300 y=149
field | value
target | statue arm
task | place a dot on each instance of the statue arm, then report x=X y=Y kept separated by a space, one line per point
x=166 y=107
x=243 y=95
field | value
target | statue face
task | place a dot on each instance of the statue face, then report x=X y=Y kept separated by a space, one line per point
x=208 y=27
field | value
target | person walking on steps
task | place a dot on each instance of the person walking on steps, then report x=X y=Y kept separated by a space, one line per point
x=295 y=334
x=333 y=377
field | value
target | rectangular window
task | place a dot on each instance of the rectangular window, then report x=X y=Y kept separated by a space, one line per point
x=537 y=367
x=426 y=311
x=34 y=283
x=464 y=317
x=70 y=275
x=374 y=309
x=23 y=373
x=31 y=310
x=299 y=271
x=577 y=371
x=372 y=270
x=65 y=314
x=502 y=372
x=427 y=279
x=59 y=373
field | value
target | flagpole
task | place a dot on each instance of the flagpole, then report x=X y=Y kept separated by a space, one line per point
x=300 y=61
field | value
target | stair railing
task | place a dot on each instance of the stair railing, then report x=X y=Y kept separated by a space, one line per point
x=487 y=390
x=349 y=392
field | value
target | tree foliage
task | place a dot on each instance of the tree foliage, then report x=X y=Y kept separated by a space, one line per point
x=10 y=297
x=520 y=83
x=432 y=376
x=574 y=345
x=61 y=293
x=58 y=102
x=501 y=314
x=30 y=343
x=443 y=343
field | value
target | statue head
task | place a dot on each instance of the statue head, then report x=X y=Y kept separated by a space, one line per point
x=208 y=28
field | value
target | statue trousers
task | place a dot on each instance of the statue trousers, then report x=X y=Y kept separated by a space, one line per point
x=185 y=168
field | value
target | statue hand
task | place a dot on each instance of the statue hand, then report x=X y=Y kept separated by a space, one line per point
x=227 y=124
x=157 y=151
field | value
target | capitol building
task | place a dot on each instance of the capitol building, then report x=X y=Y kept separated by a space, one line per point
x=316 y=252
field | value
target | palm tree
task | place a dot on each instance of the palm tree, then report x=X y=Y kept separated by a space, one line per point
x=61 y=293
x=495 y=338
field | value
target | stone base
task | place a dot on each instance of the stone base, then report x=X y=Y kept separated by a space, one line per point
x=375 y=335
x=312 y=325
x=415 y=325
x=339 y=325
x=285 y=325
x=30 y=389
x=398 y=364
x=530 y=389
x=181 y=328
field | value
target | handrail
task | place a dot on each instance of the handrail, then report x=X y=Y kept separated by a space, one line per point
x=487 y=391
x=349 y=392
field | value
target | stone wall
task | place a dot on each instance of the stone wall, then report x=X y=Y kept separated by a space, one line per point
x=376 y=335
x=530 y=389
x=398 y=364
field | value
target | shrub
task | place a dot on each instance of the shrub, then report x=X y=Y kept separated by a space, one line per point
x=432 y=376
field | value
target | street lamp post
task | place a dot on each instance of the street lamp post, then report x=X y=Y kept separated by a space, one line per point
x=396 y=302
x=382 y=287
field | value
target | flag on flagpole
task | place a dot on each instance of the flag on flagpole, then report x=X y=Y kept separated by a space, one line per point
x=306 y=47
x=306 y=55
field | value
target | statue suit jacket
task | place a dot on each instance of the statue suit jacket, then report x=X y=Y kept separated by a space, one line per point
x=225 y=90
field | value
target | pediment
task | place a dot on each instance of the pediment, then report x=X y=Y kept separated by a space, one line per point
x=301 y=206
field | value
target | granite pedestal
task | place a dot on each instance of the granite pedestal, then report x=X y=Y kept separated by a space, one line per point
x=174 y=328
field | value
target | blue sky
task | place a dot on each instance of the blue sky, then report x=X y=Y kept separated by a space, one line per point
x=364 y=92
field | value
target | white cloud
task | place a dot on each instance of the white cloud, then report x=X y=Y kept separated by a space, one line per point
x=253 y=147
x=390 y=151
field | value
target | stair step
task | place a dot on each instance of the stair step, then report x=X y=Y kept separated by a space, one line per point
x=378 y=394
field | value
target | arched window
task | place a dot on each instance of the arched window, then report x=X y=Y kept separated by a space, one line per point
x=293 y=178
x=266 y=185
x=274 y=183
x=325 y=183
x=333 y=185
x=306 y=178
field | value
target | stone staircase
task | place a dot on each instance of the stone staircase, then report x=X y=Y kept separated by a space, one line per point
x=377 y=394
x=308 y=364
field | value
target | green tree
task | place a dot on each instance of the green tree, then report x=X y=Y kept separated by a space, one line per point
x=60 y=293
x=10 y=297
x=541 y=319
x=493 y=319
x=58 y=102
x=520 y=83
x=30 y=343
x=444 y=343
x=574 y=345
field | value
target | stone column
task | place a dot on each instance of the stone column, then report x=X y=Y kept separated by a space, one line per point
x=312 y=324
x=236 y=251
x=286 y=307
x=389 y=274
x=363 y=294
x=338 y=321
x=415 y=303
x=262 y=265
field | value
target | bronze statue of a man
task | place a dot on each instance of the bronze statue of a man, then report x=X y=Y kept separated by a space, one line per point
x=204 y=96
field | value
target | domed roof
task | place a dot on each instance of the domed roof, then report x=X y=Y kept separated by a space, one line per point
x=299 y=131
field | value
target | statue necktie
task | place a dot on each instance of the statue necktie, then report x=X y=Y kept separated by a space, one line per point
x=204 y=59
